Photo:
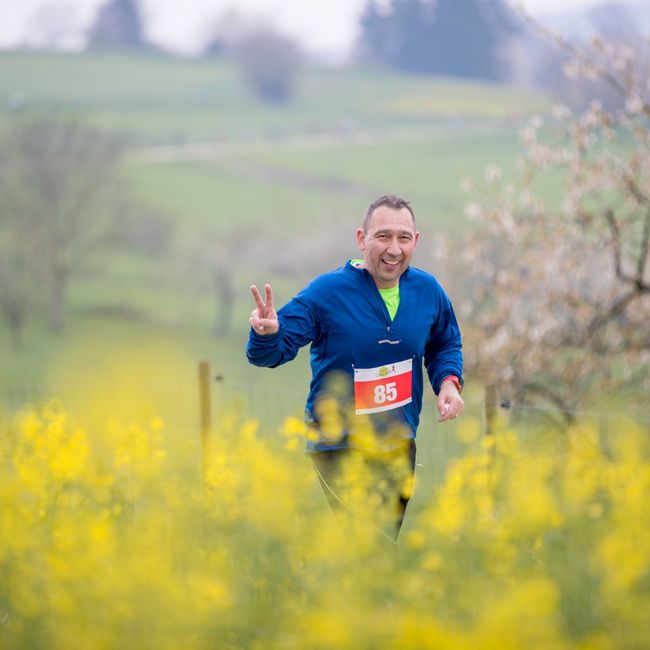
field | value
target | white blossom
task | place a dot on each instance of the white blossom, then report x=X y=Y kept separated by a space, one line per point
x=493 y=173
x=473 y=210
x=569 y=206
x=525 y=198
x=528 y=136
x=571 y=69
x=561 y=112
x=627 y=52
x=634 y=104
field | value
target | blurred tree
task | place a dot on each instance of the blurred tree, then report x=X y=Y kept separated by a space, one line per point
x=233 y=259
x=55 y=175
x=464 y=38
x=374 y=43
x=614 y=23
x=215 y=48
x=269 y=63
x=17 y=277
x=222 y=257
x=222 y=33
x=327 y=244
x=557 y=305
x=117 y=24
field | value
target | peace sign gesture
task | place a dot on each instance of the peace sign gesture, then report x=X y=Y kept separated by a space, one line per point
x=264 y=319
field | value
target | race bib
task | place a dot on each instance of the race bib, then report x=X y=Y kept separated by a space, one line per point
x=383 y=388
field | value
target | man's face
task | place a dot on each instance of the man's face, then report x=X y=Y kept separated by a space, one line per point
x=388 y=244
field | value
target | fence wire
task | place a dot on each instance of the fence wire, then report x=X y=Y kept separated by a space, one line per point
x=271 y=403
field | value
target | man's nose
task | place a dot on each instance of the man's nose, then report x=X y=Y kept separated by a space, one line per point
x=393 y=248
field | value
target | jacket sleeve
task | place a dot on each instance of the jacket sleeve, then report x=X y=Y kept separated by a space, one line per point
x=443 y=351
x=298 y=327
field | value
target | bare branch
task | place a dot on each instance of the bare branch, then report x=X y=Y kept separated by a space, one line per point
x=554 y=397
x=54 y=172
x=644 y=254
x=581 y=56
x=616 y=244
x=635 y=190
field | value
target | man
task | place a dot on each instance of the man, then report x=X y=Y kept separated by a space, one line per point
x=371 y=324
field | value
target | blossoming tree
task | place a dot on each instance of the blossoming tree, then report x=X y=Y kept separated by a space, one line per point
x=556 y=300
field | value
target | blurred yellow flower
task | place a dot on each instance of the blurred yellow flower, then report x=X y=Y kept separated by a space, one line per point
x=113 y=537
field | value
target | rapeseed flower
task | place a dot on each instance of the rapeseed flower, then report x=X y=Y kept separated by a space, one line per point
x=112 y=537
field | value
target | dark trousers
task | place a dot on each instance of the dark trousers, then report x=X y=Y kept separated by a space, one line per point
x=383 y=479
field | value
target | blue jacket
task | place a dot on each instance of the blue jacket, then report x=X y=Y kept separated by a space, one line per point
x=344 y=318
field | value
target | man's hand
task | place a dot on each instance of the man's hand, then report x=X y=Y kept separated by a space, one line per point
x=264 y=319
x=450 y=403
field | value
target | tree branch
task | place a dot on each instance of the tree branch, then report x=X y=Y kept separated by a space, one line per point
x=582 y=56
x=616 y=308
x=644 y=253
x=616 y=244
x=551 y=396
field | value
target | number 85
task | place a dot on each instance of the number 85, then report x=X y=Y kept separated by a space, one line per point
x=386 y=392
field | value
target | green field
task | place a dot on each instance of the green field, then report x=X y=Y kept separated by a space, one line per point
x=276 y=177
x=121 y=530
x=163 y=99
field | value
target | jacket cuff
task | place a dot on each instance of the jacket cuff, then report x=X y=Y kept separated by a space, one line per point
x=456 y=380
x=263 y=338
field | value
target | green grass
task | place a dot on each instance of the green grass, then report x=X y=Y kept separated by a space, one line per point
x=210 y=198
x=365 y=131
x=428 y=171
x=155 y=98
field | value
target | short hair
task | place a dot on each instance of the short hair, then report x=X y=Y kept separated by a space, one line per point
x=390 y=200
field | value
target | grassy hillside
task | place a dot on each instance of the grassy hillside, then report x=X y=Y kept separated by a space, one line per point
x=164 y=99
x=277 y=176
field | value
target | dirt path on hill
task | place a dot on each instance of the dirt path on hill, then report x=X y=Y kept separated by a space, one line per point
x=234 y=156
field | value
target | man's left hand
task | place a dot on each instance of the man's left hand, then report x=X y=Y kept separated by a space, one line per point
x=450 y=403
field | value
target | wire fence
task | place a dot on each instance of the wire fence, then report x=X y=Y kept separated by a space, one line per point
x=194 y=408
x=271 y=403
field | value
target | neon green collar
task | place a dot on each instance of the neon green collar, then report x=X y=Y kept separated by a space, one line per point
x=390 y=296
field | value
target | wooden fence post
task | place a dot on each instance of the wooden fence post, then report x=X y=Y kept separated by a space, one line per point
x=490 y=409
x=491 y=418
x=205 y=411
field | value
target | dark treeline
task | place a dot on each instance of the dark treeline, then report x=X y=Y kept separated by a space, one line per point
x=462 y=38
x=118 y=24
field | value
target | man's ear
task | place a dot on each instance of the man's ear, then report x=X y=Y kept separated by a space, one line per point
x=361 y=239
x=417 y=236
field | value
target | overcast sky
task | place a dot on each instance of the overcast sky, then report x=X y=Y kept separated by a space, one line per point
x=183 y=25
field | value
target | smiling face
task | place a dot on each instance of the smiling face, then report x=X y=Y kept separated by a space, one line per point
x=388 y=244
